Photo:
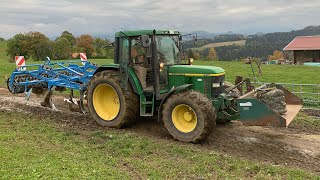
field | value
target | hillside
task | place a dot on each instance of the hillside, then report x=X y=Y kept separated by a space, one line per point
x=259 y=45
x=219 y=44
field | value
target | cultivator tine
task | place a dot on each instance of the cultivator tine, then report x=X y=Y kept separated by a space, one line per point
x=82 y=105
x=28 y=94
x=71 y=99
x=48 y=101
x=74 y=105
x=53 y=107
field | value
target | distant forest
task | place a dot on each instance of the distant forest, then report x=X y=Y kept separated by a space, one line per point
x=256 y=45
x=215 y=39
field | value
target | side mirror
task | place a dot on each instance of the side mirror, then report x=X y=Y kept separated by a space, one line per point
x=145 y=40
x=194 y=38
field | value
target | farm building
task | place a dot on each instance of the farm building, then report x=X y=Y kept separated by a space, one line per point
x=305 y=49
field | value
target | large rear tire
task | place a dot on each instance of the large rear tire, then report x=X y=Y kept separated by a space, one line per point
x=108 y=103
x=189 y=116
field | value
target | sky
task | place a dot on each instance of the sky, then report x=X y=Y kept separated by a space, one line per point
x=98 y=17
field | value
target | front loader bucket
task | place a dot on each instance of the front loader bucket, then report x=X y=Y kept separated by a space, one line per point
x=254 y=112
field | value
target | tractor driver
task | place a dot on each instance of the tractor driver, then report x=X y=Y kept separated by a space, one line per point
x=141 y=60
x=140 y=65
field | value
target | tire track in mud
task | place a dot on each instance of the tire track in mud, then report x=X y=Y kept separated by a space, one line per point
x=278 y=146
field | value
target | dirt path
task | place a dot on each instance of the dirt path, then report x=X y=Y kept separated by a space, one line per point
x=279 y=146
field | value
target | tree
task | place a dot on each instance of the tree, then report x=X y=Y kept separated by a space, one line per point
x=62 y=48
x=196 y=56
x=2 y=39
x=276 y=55
x=69 y=36
x=212 y=55
x=84 y=43
x=18 y=46
x=258 y=62
x=99 y=46
x=190 y=54
x=63 y=45
x=109 y=50
x=39 y=46
x=32 y=44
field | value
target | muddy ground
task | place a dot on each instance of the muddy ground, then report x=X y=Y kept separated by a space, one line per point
x=289 y=147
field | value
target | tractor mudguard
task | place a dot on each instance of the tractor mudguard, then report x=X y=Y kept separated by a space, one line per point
x=255 y=112
x=133 y=79
x=172 y=91
x=113 y=67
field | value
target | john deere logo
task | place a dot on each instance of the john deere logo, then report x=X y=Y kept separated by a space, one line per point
x=247 y=104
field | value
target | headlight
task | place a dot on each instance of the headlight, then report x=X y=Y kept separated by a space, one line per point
x=190 y=61
x=215 y=85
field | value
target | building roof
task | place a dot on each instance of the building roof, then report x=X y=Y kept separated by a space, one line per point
x=304 y=43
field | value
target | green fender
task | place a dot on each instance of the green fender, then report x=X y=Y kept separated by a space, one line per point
x=113 y=67
x=133 y=78
x=171 y=92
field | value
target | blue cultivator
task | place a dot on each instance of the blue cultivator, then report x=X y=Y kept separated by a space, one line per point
x=74 y=75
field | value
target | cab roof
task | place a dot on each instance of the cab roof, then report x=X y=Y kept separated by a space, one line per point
x=146 y=32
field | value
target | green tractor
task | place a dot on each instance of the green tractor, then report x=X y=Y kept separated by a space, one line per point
x=150 y=78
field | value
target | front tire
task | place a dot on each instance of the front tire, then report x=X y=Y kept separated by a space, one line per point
x=189 y=116
x=108 y=103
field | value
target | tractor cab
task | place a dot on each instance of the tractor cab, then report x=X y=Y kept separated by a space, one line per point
x=148 y=53
x=151 y=62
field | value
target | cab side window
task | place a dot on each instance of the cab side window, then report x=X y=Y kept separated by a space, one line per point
x=124 y=50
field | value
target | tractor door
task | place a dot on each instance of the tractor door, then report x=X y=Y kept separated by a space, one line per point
x=124 y=49
x=168 y=54
x=140 y=60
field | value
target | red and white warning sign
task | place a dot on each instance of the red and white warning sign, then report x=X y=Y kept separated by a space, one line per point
x=20 y=61
x=83 y=57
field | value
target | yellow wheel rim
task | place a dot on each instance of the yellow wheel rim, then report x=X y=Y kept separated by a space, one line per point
x=106 y=102
x=184 y=118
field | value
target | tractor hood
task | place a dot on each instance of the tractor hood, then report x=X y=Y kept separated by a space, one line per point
x=193 y=70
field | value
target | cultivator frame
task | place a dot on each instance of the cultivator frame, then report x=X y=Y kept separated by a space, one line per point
x=67 y=75
x=73 y=74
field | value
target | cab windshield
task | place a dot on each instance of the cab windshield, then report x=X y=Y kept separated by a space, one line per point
x=168 y=49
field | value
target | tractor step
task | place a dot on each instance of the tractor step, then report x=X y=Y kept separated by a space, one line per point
x=146 y=106
x=147 y=115
x=147 y=102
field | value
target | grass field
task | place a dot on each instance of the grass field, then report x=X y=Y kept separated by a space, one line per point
x=213 y=45
x=31 y=149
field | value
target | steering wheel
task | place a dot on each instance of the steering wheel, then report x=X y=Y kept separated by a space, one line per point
x=161 y=57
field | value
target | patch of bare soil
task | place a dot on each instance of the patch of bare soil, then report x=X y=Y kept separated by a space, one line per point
x=279 y=146
x=312 y=112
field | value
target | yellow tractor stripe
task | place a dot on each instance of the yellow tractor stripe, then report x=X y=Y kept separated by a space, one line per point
x=181 y=74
